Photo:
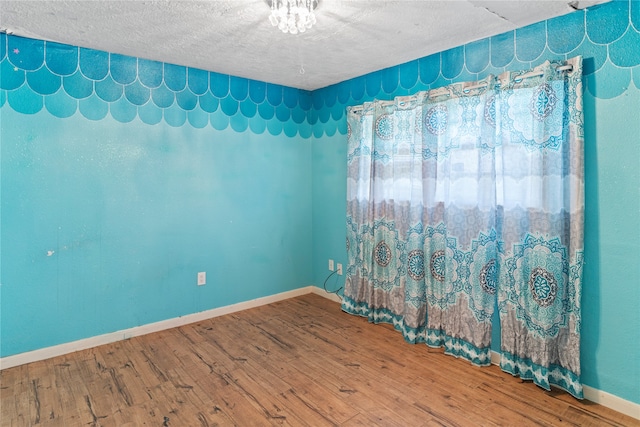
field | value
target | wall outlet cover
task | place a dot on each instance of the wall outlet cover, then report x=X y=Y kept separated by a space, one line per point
x=202 y=278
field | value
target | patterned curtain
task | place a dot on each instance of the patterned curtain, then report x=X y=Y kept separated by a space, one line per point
x=541 y=182
x=467 y=197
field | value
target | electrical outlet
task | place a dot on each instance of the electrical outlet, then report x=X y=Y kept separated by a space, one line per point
x=339 y=269
x=330 y=265
x=202 y=278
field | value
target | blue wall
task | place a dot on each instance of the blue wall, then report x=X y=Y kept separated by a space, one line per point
x=121 y=178
x=608 y=37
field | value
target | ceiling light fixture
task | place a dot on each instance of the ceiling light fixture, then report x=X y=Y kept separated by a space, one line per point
x=293 y=16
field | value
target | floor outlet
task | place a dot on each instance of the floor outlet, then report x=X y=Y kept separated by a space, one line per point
x=202 y=278
x=339 y=269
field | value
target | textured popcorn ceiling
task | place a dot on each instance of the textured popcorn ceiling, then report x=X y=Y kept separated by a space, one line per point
x=351 y=38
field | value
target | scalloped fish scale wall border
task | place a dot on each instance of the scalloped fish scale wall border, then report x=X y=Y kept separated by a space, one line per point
x=63 y=79
x=607 y=36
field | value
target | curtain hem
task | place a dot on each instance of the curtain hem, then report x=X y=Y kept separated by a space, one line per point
x=457 y=347
x=542 y=376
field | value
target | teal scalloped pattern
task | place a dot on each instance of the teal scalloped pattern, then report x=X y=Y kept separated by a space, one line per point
x=607 y=36
x=37 y=75
x=64 y=80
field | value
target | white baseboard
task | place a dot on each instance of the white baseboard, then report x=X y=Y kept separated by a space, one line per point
x=495 y=358
x=612 y=402
x=597 y=396
x=83 y=344
x=328 y=295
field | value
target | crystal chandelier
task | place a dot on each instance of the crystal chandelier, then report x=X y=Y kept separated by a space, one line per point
x=293 y=16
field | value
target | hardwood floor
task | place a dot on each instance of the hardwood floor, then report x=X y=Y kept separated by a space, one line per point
x=296 y=362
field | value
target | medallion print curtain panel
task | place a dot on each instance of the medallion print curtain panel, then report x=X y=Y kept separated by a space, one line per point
x=467 y=198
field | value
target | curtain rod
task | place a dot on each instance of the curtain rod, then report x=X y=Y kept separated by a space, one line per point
x=442 y=90
x=518 y=79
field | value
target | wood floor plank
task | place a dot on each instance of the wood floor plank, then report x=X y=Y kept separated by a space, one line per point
x=43 y=385
x=64 y=393
x=373 y=396
x=280 y=386
x=582 y=416
x=15 y=397
x=376 y=417
x=320 y=398
x=226 y=400
x=121 y=375
x=80 y=397
x=298 y=362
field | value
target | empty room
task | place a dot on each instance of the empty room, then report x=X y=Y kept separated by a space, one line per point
x=320 y=212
